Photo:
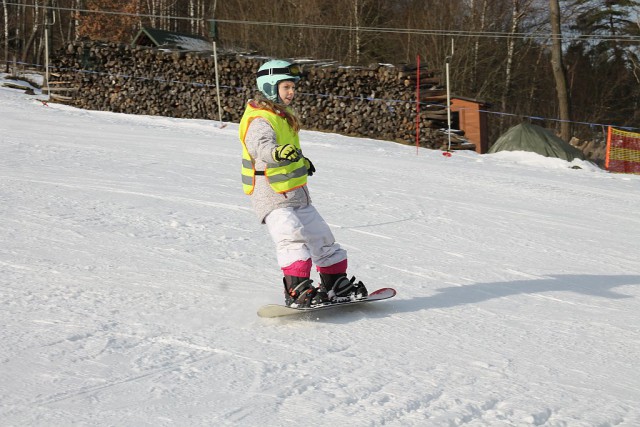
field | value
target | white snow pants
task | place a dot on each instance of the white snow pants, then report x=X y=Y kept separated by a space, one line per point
x=301 y=234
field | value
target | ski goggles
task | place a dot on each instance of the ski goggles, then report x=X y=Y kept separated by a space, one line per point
x=293 y=70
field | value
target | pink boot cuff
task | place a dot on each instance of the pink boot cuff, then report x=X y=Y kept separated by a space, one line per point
x=298 y=269
x=337 y=268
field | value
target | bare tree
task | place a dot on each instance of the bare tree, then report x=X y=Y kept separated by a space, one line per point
x=101 y=26
x=6 y=36
x=34 y=31
x=481 y=26
x=516 y=16
x=558 y=68
x=354 y=35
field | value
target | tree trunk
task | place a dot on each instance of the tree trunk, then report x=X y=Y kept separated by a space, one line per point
x=476 y=47
x=32 y=37
x=515 y=23
x=6 y=36
x=559 y=71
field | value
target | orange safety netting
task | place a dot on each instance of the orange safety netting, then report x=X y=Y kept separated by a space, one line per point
x=623 y=151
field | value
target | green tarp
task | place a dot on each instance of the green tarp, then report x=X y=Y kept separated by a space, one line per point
x=535 y=139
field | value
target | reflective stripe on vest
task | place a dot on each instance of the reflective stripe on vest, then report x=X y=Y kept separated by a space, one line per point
x=282 y=176
x=248 y=178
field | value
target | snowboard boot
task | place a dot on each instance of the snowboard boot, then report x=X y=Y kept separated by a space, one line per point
x=339 y=288
x=300 y=292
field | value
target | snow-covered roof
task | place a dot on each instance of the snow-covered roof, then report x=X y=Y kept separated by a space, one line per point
x=171 y=40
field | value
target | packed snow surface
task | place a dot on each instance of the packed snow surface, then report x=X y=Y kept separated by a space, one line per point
x=132 y=266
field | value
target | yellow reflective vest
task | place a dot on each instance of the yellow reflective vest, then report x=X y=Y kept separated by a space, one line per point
x=282 y=176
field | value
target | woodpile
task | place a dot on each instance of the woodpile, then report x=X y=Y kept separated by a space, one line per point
x=376 y=102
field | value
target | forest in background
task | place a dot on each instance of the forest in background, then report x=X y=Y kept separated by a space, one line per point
x=499 y=51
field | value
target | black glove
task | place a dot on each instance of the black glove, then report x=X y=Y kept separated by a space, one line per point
x=310 y=168
x=285 y=152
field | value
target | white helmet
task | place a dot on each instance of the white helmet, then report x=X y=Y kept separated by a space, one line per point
x=273 y=72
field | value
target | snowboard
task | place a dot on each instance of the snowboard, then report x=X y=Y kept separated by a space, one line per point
x=277 y=310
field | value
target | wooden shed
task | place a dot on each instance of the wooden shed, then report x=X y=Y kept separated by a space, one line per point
x=473 y=121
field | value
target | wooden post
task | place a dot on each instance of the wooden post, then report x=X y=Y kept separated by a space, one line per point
x=215 y=64
x=47 y=29
x=417 y=103
x=606 y=161
x=448 y=107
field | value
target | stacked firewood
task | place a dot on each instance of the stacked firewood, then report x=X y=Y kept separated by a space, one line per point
x=376 y=102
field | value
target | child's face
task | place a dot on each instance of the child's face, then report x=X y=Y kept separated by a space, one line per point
x=286 y=91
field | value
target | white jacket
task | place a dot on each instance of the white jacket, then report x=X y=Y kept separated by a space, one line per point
x=261 y=141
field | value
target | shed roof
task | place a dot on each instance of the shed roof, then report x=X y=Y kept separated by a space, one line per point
x=473 y=100
x=171 y=40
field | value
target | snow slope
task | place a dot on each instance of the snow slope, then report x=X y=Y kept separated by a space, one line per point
x=131 y=269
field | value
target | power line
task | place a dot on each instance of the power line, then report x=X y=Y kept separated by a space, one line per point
x=424 y=32
x=536 y=35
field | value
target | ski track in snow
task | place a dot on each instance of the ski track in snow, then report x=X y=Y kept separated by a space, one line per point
x=132 y=266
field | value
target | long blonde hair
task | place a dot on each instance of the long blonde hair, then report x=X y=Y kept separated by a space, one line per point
x=280 y=109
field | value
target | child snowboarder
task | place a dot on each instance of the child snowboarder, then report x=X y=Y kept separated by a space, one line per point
x=274 y=174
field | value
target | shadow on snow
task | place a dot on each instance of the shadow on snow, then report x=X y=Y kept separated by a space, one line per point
x=593 y=285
